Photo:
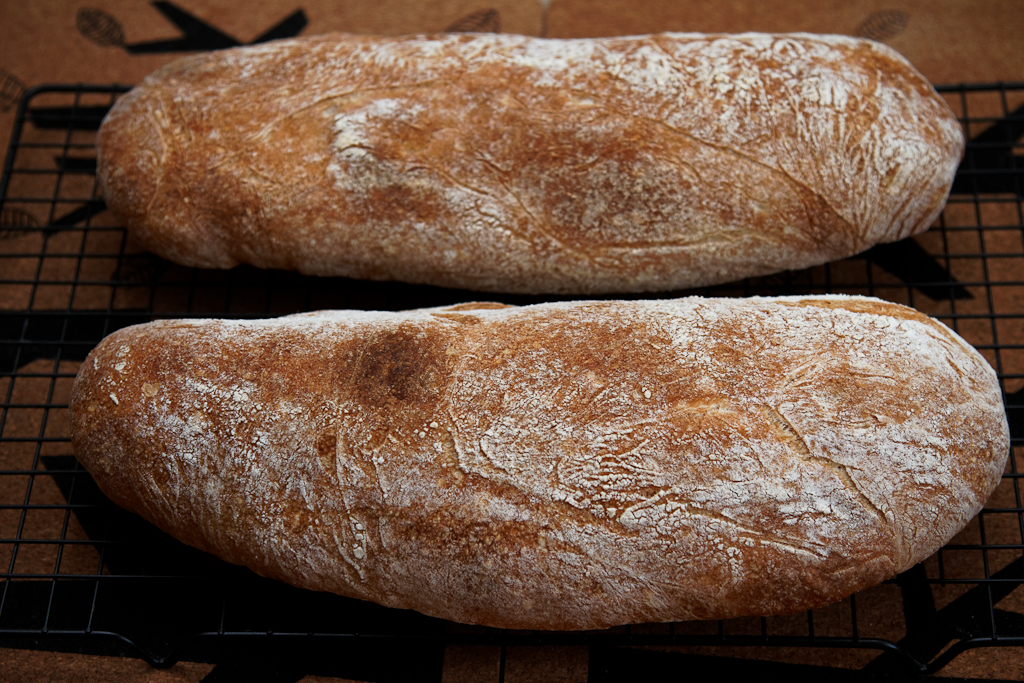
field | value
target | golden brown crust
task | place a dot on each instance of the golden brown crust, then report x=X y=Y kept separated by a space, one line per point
x=509 y=163
x=561 y=466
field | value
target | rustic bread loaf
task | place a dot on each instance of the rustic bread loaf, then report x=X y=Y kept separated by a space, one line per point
x=516 y=164
x=558 y=466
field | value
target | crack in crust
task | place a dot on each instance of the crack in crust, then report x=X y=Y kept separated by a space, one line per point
x=803 y=190
x=789 y=434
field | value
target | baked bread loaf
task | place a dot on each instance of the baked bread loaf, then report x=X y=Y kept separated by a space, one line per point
x=558 y=466
x=515 y=164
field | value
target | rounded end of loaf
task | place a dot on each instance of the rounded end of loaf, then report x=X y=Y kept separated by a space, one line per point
x=113 y=444
x=945 y=468
x=147 y=183
x=129 y=154
x=925 y=145
x=100 y=412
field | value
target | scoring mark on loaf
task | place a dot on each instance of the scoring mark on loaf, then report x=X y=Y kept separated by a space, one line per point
x=824 y=223
x=787 y=432
x=789 y=435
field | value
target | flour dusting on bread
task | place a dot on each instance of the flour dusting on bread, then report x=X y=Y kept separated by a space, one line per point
x=559 y=466
x=517 y=164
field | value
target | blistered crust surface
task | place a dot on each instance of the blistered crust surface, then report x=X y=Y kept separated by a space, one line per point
x=509 y=163
x=559 y=466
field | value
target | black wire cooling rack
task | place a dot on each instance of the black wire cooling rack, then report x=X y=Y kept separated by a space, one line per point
x=77 y=573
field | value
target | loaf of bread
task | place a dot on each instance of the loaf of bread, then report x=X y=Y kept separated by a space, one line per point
x=516 y=164
x=557 y=466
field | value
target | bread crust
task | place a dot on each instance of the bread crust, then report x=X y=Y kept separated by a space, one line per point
x=516 y=164
x=558 y=466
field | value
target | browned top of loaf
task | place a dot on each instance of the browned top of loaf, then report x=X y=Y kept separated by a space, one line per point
x=556 y=466
x=510 y=163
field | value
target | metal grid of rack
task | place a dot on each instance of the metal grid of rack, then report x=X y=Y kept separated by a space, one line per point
x=75 y=569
